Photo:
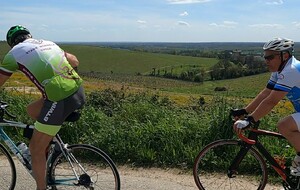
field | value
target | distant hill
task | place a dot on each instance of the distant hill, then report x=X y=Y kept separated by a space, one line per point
x=175 y=45
x=203 y=45
x=120 y=61
x=119 y=57
x=107 y=59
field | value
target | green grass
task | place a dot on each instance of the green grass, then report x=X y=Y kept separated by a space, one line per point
x=107 y=60
x=242 y=87
x=4 y=48
x=144 y=130
x=125 y=64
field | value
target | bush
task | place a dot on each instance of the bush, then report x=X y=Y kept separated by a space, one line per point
x=145 y=130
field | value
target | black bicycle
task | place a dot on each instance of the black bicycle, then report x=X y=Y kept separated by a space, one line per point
x=77 y=166
x=240 y=164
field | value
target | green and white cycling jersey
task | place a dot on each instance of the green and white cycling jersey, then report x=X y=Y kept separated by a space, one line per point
x=45 y=64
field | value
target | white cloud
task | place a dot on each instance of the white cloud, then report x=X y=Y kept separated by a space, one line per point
x=296 y=24
x=142 y=24
x=230 y=23
x=276 y=26
x=142 y=21
x=275 y=2
x=187 y=1
x=184 y=13
x=182 y=23
x=225 y=24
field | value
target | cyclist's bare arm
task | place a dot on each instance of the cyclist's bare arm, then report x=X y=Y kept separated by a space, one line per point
x=72 y=59
x=268 y=103
x=258 y=99
x=3 y=79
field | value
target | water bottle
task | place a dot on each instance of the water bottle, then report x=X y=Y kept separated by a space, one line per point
x=25 y=153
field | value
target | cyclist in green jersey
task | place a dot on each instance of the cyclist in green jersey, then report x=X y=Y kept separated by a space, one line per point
x=52 y=70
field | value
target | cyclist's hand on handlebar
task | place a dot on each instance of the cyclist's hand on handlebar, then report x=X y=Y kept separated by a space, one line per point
x=238 y=113
x=241 y=124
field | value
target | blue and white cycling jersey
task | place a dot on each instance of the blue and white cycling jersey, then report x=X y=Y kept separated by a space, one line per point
x=288 y=80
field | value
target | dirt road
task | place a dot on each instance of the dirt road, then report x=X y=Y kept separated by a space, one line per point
x=131 y=179
x=134 y=179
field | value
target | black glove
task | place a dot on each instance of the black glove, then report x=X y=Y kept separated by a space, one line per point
x=251 y=121
x=238 y=112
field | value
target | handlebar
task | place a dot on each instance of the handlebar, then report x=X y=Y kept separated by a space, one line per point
x=244 y=138
x=233 y=113
x=3 y=111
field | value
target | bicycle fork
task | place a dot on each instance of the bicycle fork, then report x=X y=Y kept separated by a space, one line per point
x=237 y=160
x=84 y=179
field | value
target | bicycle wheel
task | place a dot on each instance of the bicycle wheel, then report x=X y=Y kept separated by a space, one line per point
x=7 y=169
x=93 y=167
x=212 y=164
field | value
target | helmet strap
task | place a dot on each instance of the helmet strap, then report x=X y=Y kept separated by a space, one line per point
x=21 y=38
x=283 y=62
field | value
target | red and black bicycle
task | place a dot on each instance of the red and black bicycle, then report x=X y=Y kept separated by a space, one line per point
x=240 y=164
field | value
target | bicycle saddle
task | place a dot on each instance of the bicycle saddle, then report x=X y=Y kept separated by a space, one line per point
x=74 y=116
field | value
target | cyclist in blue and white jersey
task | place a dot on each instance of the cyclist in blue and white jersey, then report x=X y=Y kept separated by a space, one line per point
x=284 y=81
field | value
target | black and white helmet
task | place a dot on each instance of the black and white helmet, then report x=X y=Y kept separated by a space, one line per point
x=280 y=44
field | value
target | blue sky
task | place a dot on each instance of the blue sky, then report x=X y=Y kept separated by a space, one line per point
x=154 y=20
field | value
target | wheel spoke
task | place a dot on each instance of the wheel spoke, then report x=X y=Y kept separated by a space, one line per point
x=212 y=164
x=94 y=169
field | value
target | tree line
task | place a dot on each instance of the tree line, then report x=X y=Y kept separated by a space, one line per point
x=230 y=65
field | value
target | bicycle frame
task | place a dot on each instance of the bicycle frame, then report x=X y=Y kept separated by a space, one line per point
x=57 y=152
x=252 y=140
x=62 y=147
x=10 y=143
x=70 y=157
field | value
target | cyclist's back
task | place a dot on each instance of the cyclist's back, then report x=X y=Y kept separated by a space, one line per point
x=45 y=65
x=52 y=71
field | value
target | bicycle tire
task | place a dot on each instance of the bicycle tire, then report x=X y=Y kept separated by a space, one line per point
x=8 y=174
x=98 y=165
x=212 y=163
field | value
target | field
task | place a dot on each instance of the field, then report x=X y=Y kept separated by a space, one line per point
x=143 y=120
x=118 y=68
x=116 y=61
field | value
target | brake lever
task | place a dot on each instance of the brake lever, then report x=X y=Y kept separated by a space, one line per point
x=245 y=139
x=3 y=106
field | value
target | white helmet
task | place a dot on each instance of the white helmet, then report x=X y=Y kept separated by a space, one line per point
x=279 y=44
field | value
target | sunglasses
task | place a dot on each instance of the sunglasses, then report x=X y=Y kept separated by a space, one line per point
x=270 y=57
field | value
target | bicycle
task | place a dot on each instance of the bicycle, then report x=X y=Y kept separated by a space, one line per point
x=240 y=164
x=77 y=166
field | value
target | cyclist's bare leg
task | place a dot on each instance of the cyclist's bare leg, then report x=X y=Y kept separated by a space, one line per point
x=289 y=129
x=38 y=146
x=34 y=108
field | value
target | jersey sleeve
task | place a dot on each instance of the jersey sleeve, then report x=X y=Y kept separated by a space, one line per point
x=286 y=81
x=272 y=81
x=9 y=65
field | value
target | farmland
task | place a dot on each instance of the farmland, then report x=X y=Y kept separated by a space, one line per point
x=116 y=61
x=120 y=68
x=145 y=120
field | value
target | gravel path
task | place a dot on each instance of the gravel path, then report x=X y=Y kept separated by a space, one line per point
x=133 y=179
